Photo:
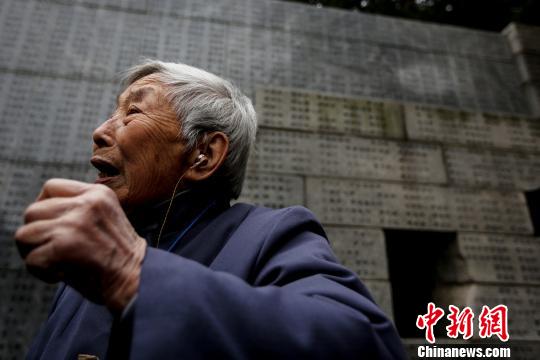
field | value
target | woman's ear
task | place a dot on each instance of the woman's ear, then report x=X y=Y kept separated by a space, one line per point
x=208 y=157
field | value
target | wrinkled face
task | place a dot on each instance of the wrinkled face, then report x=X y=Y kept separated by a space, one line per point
x=138 y=151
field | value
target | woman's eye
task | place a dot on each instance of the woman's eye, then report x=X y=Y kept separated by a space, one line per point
x=133 y=110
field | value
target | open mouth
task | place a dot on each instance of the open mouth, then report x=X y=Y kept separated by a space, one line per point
x=106 y=169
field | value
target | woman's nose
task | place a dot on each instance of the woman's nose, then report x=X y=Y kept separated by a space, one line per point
x=103 y=135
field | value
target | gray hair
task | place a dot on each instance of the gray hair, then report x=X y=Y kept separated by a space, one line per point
x=204 y=102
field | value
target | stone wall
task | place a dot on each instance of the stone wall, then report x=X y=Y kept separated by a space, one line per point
x=372 y=122
x=525 y=47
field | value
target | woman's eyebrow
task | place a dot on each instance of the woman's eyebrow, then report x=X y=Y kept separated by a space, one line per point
x=135 y=95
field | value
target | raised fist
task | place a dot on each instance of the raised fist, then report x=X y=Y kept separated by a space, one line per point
x=78 y=233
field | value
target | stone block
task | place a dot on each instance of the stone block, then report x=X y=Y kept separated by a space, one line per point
x=486 y=167
x=523 y=303
x=273 y=190
x=369 y=203
x=482 y=129
x=51 y=120
x=56 y=86
x=523 y=38
x=532 y=92
x=295 y=152
x=311 y=111
x=492 y=258
x=382 y=294
x=361 y=250
x=525 y=350
x=24 y=304
x=267 y=43
x=529 y=67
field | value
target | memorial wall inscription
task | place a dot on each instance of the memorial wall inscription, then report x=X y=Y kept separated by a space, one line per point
x=328 y=22
x=381 y=292
x=273 y=190
x=51 y=120
x=492 y=168
x=301 y=110
x=523 y=302
x=360 y=249
x=493 y=258
x=346 y=156
x=372 y=122
x=99 y=41
x=460 y=127
x=375 y=203
x=23 y=304
x=522 y=38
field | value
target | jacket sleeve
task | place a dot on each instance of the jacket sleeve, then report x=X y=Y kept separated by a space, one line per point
x=298 y=303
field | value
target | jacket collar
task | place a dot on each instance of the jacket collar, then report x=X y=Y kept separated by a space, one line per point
x=200 y=204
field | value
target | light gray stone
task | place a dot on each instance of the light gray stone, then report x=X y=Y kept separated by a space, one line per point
x=492 y=258
x=24 y=304
x=369 y=203
x=334 y=23
x=523 y=38
x=51 y=120
x=361 y=250
x=459 y=127
x=525 y=350
x=273 y=190
x=529 y=67
x=485 y=167
x=532 y=92
x=382 y=294
x=312 y=111
x=522 y=302
x=267 y=42
x=295 y=152
x=61 y=60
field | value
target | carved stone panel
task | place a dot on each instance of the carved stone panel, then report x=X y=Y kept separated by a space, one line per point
x=361 y=250
x=382 y=294
x=523 y=303
x=492 y=168
x=492 y=258
x=24 y=304
x=459 y=127
x=370 y=203
x=297 y=152
x=51 y=120
x=292 y=109
x=273 y=190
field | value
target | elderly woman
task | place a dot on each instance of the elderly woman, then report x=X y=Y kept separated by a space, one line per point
x=155 y=264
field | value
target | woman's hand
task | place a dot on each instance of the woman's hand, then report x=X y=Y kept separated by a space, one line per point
x=78 y=233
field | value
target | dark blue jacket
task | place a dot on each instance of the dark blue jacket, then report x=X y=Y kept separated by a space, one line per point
x=244 y=282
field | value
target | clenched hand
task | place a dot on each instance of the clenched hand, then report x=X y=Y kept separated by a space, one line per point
x=78 y=233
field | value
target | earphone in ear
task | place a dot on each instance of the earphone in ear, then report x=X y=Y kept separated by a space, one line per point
x=200 y=160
